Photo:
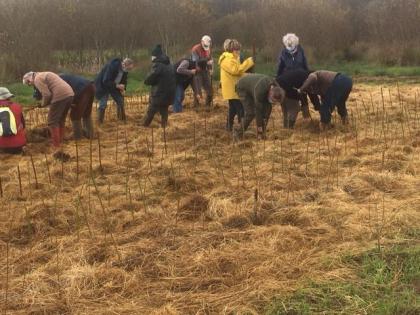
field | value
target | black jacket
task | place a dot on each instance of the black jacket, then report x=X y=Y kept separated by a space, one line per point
x=290 y=81
x=162 y=81
x=105 y=80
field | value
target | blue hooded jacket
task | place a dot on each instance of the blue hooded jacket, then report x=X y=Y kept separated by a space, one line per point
x=295 y=61
x=105 y=80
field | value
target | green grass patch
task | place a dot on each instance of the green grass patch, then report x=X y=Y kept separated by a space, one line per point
x=388 y=283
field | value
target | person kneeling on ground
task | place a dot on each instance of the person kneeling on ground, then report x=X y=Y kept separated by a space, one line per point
x=231 y=70
x=81 y=109
x=57 y=94
x=258 y=92
x=162 y=81
x=290 y=81
x=12 y=124
x=334 y=89
x=185 y=69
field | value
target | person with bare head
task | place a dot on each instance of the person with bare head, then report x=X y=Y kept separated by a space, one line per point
x=258 y=92
x=112 y=80
x=203 y=78
x=58 y=95
x=231 y=70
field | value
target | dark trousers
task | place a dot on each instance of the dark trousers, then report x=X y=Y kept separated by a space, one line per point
x=202 y=80
x=336 y=95
x=82 y=107
x=250 y=109
x=58 y=112
x=154 y=108
x=235 y=109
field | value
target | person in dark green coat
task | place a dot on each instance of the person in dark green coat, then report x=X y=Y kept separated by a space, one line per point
x=258 y=92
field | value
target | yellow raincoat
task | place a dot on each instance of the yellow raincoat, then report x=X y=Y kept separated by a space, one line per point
x=231 y=70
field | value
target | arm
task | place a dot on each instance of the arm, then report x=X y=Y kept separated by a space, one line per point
x=42 y=86
x=281 y=66
x=124 y=79
x=233 y=67
x=109 y=76
x=305 y=62
x=153 y=76
x=309 y=82
x=183 y=68
x=315 y=101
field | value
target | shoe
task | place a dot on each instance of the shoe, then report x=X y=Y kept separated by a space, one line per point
x=77 y=129
x=61 y=156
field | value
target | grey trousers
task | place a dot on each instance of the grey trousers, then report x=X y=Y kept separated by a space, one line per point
x=290 y=108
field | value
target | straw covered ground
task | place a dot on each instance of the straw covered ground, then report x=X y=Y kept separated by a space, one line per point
x=187 y=221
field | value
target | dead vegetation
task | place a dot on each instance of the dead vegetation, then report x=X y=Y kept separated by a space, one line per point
x=194 y=223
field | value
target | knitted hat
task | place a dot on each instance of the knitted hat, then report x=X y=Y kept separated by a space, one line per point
x=5 y=94
x=157 y=51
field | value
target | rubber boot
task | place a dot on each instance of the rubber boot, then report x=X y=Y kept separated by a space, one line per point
x=88 y=127
x=291 y=124
x=55 y=137
x=77 y=129
x=101 y=116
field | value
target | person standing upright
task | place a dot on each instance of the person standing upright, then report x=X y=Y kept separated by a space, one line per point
x=162 y=81
x=202 y=79
x=292 y=58
x=231 y=70
x=112 y=80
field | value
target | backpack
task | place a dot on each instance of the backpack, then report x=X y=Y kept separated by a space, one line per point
x=8 y=126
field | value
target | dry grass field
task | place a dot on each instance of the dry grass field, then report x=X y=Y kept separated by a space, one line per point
x=187 y=221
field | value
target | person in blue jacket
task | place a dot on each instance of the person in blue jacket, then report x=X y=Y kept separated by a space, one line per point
x=291 y=58
x=112 y=80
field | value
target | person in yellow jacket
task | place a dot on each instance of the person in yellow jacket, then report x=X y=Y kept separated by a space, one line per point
x=231 y=70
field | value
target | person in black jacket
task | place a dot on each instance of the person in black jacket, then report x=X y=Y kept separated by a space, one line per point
x=112 y=80
x=290 y=81
x=291 y=58
x=162 y=82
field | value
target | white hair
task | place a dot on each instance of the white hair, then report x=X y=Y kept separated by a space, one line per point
x=290 y=40
x=28 y=77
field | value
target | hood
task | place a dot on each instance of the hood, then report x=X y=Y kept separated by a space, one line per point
x=225 y=55
x=162 y=59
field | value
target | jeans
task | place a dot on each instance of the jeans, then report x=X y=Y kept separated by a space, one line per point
x=336 y=95
x=179 y=98
x=116 y=96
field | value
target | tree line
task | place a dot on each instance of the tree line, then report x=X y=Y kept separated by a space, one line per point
x=82 y=34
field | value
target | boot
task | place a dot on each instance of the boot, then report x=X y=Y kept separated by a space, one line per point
x=55 y=136
x=87 y=127
x=345 y=120
x=121 y=113
x=291 y=124
x=77 y=129
x=209 y=99
x=101 y=116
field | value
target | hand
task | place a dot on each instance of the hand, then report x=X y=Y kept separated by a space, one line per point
x=121 y=87
x=260 y=129
x=210 y=62
x=194 y=71
x=198 y=96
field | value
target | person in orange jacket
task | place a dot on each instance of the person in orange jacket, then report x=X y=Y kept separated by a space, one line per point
x=231 y=70
x=12 y=124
